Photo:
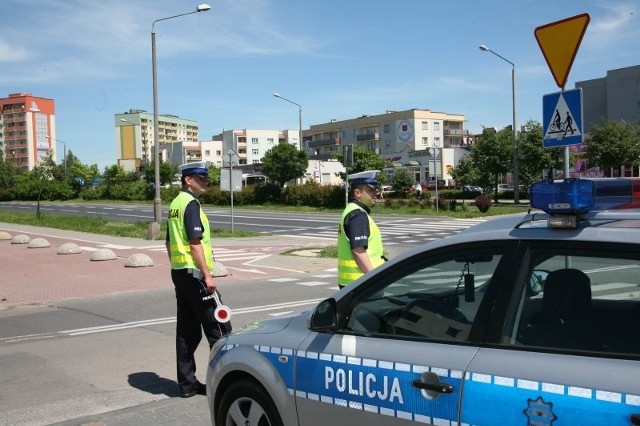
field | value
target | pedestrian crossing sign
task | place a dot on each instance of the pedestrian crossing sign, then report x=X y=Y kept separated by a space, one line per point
x=562 y=119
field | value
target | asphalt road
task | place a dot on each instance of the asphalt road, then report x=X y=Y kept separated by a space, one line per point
x=404 y=231
x=108 y=357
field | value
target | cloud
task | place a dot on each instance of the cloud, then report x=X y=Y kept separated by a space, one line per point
x=617 y=23
x=11 y=52
x=84 y=41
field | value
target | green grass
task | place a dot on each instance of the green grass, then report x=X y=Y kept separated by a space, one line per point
x=100 y=225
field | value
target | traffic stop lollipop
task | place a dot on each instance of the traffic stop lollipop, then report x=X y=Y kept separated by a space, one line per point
x=222 y=312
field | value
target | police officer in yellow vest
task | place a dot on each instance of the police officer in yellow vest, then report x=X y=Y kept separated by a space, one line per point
x=189 y=247
x=359 y=239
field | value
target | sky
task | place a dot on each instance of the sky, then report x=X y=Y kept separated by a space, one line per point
x=338 y=59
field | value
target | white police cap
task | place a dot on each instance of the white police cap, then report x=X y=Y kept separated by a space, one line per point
x=198 y=168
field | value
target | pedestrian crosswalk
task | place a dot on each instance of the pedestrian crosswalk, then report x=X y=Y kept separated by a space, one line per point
x=401 y=231
x=327 y=277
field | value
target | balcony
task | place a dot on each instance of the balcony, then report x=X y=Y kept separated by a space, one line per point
x=452 y=132
x=324 y=142
x=368 y=137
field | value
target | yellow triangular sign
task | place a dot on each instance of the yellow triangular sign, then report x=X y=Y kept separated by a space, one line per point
x=559 y=42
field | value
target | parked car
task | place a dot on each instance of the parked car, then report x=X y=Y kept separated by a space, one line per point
x=472 y=188
x=505 y=187
x=524 y=319
x=385 y=191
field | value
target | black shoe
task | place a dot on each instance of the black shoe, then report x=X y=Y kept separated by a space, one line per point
x=201 y=389
x=188 y=393
x=198 y=389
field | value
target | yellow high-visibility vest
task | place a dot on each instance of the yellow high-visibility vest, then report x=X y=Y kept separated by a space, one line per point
x=179 y=247
x=348 y=270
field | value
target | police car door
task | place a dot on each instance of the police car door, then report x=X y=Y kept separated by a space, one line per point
x=569 y=352
x=406 y=334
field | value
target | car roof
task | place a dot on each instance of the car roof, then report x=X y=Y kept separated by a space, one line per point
x=612 y=226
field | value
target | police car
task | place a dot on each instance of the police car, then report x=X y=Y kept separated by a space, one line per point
x=525 y=319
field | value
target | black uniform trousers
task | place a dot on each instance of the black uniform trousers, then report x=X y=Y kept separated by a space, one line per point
x=193 y=316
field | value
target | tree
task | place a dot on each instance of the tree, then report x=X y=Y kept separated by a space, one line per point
x=492 y=155
x=283 y=163
x=402 y=181
x=7 y=173
x=214 y=175
x=365 y=159
x=113 y=174
x=533 y=158
x=167 y=172
x=466 y=172
x=613 y=144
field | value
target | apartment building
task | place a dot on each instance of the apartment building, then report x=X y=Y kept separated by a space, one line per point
x=427 y=143
x=250 y=145
x=190 y=152
x=134 y=137
x=27 y=129
x=614 y=97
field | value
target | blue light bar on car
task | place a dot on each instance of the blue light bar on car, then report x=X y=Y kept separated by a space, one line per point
x=572 y=196
x=567 y=196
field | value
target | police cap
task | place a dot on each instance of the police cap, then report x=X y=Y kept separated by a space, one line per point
x=200 y=168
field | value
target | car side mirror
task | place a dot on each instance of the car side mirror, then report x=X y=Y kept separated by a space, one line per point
x=324 y=317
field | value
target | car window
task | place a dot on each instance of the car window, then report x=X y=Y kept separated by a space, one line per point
x=435 y=299
x=580 y=301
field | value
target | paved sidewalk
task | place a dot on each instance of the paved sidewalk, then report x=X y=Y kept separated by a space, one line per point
x=40 y=275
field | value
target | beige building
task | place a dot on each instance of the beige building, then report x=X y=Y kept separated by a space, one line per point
x=416 y=139
x=134 y=137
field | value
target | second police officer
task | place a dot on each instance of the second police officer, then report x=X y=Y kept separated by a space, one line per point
x=359 y=239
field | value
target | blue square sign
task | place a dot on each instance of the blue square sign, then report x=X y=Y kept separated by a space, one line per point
x=562 y=119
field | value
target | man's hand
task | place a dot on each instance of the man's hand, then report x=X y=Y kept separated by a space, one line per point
x=210 y=283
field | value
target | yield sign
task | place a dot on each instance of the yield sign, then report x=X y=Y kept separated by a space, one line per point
x=559 y=42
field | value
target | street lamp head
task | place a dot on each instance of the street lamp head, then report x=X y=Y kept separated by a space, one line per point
x=484 y=48
x=277 y=95
x=203 y=7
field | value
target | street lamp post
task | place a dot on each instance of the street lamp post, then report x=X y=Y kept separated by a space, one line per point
x=64 y=157
x=277 y=95
x=154 y=228
x=516 y=186
x=434 y=154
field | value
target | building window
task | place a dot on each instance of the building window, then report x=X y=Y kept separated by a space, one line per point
x=425 y=141
x=207 y=152
x=242 y=151
x=436 y=125
x=255 y=152
x=270 y=141
x=425 y=125
x=386 y=128
x=436 y=141
x=254 y=141
x=218 y=152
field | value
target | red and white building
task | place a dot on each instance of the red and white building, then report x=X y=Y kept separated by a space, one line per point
x=27 y=129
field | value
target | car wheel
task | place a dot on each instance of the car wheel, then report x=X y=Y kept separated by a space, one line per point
x=247 y=403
